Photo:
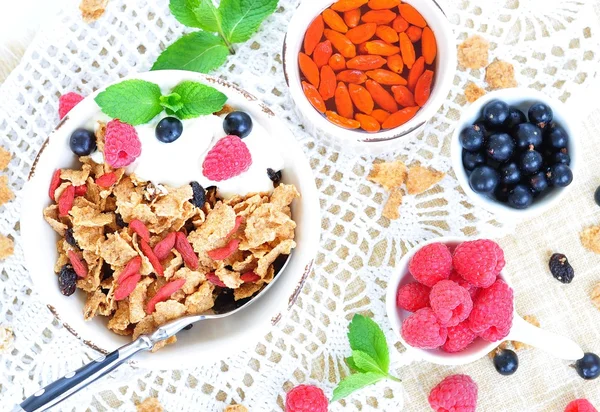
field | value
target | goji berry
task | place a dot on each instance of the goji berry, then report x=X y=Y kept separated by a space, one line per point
x=140 y=228
x=131 y=268
x=149 y=253
x=106 y=180
x=309 y=69
x=342 y=121
x=125 y=288
x=328 y=85
x=164 y=293
x=361 y=98
x=54 y=183
x=65 y=201
x=322 y=53
x=313 y=96
x=313 y=35
x=214 y=279
x=362 y=33
x=381 y=96
x=80 y=190
x=423 y=88
x=224 y=252
x=334 y=21
x=343 y=101
x=164 y=247
x=79 y=266
x=183 y=246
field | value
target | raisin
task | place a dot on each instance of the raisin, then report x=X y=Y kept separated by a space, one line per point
x=69 y=237
x=119 y=220
x=274 y=176
x=561 y=269
x=199 y=195
x=67 y=280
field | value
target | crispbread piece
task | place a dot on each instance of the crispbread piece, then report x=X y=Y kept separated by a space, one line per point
x=421 y=179
x=390 y=209
x=388 y=174
x=473 y=53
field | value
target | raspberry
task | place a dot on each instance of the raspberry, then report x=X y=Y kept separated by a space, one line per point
x=455 y=393
x=451 y=303
x=580 y=405
x=306 y=398
x=413 y=296
x=121 y=144
x=455 y=277
x=431 y=264
x=228 y=158
x=66 y=102
x=423 y=330
x=459 y=337
x=479 y=262
x=492 y=314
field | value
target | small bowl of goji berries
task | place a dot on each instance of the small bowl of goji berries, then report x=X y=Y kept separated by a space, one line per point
x=450 y=303
x=369 y=72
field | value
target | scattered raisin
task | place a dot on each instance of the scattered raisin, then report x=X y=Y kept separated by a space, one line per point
x=561 y=268
x=199 y=195
x=119 y=220
x=69 y=237
x=274 y=176
x=67 y=280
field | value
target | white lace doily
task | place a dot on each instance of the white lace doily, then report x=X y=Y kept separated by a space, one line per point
x=554 y=47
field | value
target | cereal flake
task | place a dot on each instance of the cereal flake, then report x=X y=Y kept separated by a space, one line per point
x=92 y=10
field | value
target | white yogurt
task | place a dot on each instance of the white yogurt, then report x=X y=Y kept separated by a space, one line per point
x=180 y=162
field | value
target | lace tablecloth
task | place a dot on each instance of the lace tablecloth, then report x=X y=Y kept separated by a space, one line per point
x=554 y=45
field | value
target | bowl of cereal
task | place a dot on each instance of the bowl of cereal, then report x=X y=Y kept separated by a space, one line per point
x=195 y=200
x=369 y=73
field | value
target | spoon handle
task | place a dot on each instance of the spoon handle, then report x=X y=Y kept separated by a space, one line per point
x=73 y=382
x=552 y=343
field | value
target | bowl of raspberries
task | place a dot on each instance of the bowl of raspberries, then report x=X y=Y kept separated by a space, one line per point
x=450 y=304
x=514 y=152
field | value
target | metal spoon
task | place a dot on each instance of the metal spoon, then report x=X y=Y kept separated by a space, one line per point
x=73 y=382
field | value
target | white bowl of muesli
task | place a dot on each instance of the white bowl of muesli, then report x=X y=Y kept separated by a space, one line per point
x=167 y=194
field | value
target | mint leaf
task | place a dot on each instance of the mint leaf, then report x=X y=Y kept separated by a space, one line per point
x=352 y=365
x=366 y=336
x=242 y=18
x=366 y=363
x=355 y=382
x=208 y=16
x=183 y=10
x=198 y=51
x=131 y=101
x=171 y=102
x=198 y=99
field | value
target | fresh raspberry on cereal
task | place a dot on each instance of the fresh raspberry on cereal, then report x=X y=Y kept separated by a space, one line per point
x=423 y=330
x=450 y=302
x=413 y=296
x=492 y=314
x=121 y=144
x=431 y=264
x=228 y=158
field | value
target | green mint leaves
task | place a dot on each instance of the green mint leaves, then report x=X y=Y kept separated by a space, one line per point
x=138 y=101
x=370 y=358
x=234 y=21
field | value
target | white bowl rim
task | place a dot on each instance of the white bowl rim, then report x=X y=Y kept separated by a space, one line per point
x=434 y=356
x=523 y=94
x=304 y=15
x=302 y=258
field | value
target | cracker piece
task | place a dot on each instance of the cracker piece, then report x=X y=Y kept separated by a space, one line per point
x=120 y=320
x=201 y=300
x=500 y=75
x=5 y=157
x=473 y=92
x=388 y=174
x=77 y=177
x=192 y=279
x=230 y=278
x=283 y=195
x=421 y=179
x=266 y=224
x=6 y=194
x=51 y=217
x=595 y=295
x=7 y=247
x=283 y=248
x=236 y=408
x=590 y=238
x=167 y=311
x=92 y=10
x=7 y=339
x=90 y=217
x=137 y=300
x=115 y=250
x=390 y=209
x=473 y=53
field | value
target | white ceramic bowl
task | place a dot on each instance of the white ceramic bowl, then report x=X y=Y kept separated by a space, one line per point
x=357 y=140
x=522 y=98
x=208 y=341
x=521 y=331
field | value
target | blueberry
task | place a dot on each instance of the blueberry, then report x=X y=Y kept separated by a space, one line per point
x=515 y=118
x=169 y=129
x=540 y=114
x=561 y=157
x=538 y=182
x=520 y=197
x=471 y=138
x=500 y=147
x=506 y=362
x=484 y=179
x=527 y=134
x=481 y=125
x=238 y=124
x=588 y=367
x=501 y=193
x=560 y=175
x=597 y=196
x=471 y=159
x=555 y=136
x=510 y=174
x=495 y=113
x=530 y=161
x=82 y=142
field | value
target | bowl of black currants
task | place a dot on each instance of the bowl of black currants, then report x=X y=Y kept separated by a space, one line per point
x=514 y=152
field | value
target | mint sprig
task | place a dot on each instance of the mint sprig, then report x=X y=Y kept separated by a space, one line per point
x=234 y=21
x=138 y=101
x=370 y=358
